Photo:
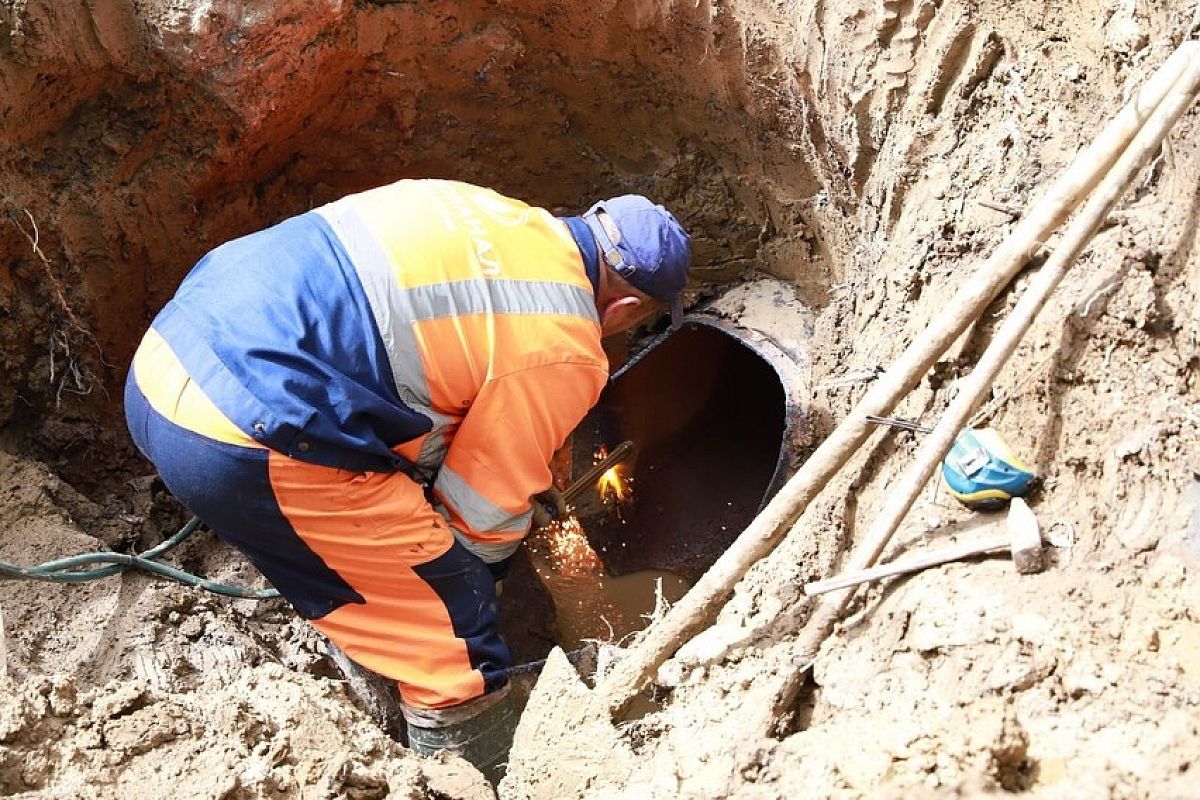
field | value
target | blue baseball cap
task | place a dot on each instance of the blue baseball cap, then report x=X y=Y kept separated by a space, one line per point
x=645 y=245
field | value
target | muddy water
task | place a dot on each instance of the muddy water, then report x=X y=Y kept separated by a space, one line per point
x=589 y=603
x=608 y=608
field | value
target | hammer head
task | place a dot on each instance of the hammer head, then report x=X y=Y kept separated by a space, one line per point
x=1025 y=538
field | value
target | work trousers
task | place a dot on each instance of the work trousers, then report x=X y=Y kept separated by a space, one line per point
x=361 y=555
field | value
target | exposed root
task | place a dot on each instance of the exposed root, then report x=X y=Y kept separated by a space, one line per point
x=661 y=604
x=72 y=376
x=68 y=374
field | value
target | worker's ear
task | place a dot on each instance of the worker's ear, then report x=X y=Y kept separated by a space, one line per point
x=620 y=314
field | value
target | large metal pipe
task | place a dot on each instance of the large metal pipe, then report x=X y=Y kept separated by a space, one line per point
x=719 y=412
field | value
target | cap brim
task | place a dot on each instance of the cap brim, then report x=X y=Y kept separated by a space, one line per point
x=676 y=304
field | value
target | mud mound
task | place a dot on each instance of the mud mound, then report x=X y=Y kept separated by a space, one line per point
x=132 y=687
x=269 y=733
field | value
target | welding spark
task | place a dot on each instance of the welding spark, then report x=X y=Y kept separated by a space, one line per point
x=568 y=549
x=615 y=485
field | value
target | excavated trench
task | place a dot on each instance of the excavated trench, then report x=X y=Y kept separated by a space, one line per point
x=855 y=151
x=139 y=140
x=138 y=137
x=185 y=131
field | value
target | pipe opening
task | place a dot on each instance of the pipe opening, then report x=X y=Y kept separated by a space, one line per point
x=712 y=417
x=706 y=414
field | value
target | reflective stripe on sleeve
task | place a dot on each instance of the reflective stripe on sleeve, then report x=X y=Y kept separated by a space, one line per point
x=433 y=449
x=489 y=552
x=475 y=509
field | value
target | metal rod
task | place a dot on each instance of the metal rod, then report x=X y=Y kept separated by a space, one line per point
x=896 y=422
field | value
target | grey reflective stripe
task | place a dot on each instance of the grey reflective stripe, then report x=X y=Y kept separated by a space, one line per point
x=433 y=449
x=475 y=509
x=487 y=553
x=497 y=296
x=374 y=271
x=452 y=715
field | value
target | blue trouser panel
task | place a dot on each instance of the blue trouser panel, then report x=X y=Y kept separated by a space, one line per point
x=229 y=488
x=467 y=589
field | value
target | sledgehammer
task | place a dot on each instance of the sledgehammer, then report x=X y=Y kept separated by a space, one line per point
x=1021 y=537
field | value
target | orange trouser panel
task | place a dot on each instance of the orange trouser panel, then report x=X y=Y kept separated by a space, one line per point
x=373 y=529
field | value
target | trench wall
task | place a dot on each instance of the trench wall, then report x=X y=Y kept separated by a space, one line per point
x=818 y=142
x=138 y=135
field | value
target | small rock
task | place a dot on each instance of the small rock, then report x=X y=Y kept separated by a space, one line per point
x=192 y=627
x=272 y=671
x=1125 y=35
x=62 y=695
x=1061 y=534
x=670 y=674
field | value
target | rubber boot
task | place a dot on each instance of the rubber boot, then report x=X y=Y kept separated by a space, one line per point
x=480 y=731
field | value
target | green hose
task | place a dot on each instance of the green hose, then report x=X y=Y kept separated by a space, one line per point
x=68 y=570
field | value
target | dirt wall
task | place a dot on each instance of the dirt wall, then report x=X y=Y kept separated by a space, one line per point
x=139 y=135
x=966 y=681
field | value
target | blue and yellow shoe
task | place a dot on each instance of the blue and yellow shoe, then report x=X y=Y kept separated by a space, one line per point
x=982 y=471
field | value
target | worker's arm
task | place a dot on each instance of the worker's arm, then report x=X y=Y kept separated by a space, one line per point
x=498 y=458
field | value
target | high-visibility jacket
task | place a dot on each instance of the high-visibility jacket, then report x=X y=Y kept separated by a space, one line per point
x=432 y=327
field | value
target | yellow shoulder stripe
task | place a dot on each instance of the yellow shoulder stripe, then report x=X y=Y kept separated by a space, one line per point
x=172 y=393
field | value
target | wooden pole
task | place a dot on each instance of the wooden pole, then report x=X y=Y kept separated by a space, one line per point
x=697 y=608
x=933 y=558
x=973 y=388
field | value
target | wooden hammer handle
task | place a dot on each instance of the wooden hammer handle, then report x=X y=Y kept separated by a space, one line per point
x=941 y=555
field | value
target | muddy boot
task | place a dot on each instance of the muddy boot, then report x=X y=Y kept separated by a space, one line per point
x=480 y=731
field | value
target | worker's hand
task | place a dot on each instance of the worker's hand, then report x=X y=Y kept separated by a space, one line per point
x=547 y=506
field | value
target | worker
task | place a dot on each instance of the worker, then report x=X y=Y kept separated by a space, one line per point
x=364 y=398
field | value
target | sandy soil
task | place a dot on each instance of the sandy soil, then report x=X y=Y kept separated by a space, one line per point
x=842 y=147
